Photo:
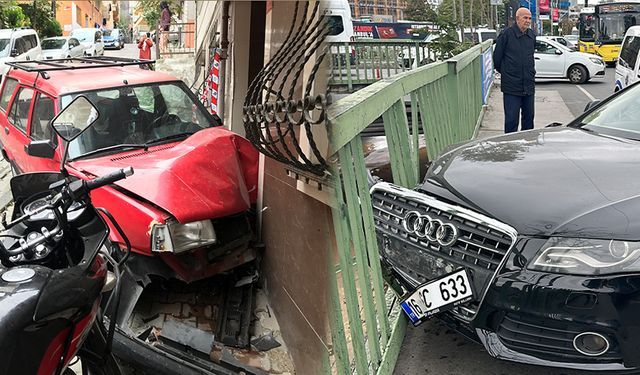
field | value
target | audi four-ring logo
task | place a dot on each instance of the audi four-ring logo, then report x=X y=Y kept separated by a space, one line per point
x=434 y=230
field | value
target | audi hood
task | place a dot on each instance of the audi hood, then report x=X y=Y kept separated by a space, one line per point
x=211 y=174
x=556 y=181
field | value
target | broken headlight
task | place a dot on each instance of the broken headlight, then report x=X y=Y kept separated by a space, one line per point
x=177 y=238
x=581 y=256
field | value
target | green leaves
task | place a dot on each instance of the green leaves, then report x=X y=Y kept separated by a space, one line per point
x=419 y=10
x=38 y=14
x=150 y=10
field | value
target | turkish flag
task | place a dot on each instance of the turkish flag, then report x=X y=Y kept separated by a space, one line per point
x=386 y=32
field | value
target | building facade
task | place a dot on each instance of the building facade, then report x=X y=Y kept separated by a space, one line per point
x=378 y=10
x=87 y=13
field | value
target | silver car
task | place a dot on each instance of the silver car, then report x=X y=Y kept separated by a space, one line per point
x=62 y=47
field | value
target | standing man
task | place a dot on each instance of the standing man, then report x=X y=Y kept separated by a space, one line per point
x=513 y=58
x=144 y=45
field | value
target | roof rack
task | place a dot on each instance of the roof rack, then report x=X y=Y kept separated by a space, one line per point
x=68 y=64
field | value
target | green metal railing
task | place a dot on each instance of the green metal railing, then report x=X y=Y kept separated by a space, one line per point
x=446 y=100
x=364 y=62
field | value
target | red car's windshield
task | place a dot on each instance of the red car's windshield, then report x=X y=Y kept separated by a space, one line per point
x=138 y=115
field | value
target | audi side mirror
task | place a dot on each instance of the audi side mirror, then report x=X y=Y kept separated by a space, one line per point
x=558 y=52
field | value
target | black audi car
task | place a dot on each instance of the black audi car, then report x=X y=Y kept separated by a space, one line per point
x=528 y=243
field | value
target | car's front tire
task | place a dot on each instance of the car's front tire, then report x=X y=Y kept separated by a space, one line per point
x=578 y=74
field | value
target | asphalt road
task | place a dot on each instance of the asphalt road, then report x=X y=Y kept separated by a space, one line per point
x=432 y=348
x=577 y=96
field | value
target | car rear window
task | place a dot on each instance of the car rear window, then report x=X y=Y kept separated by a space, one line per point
x=7 y=92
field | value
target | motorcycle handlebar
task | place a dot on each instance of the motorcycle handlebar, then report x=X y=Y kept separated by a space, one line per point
x=109 y=178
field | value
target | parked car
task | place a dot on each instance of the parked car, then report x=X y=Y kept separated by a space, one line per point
x=573 y=39
x=565 y=42
x=113 y=38
x=91 y=39
x=528 y=243
x=553 y=60
x=18 y=44
x=62 y=47
x=627 y=67
x=187 y=208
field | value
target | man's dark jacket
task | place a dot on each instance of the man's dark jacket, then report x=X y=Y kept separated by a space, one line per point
x=513 y=58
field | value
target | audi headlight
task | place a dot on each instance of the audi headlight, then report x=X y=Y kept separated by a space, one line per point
x=596 y=60
x=178 y=238
x=581 y=256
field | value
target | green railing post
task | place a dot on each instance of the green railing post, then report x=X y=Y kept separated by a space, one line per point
x=446 y=98
x=347 y=52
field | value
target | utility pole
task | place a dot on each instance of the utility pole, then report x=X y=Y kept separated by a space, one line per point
x=462 y=20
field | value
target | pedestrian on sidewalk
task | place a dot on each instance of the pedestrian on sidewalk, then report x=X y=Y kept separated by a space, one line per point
x=513 y=58
x=165 y=22
x=144 y=45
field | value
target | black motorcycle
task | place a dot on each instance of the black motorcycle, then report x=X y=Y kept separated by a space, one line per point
x=56 y=266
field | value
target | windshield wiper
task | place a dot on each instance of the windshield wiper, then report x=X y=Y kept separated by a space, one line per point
x=110 y=148
x=169 y=138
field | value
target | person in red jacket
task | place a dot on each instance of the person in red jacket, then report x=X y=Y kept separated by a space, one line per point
x=144 y=45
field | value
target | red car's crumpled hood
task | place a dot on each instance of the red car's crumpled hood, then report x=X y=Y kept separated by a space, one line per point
x=211 y=174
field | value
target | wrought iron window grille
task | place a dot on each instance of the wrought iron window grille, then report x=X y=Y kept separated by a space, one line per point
x=272 y=114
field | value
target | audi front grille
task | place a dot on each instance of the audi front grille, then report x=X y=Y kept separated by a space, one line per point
x=417 y=246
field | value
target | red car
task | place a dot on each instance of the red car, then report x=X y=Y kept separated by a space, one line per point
x=194 y=182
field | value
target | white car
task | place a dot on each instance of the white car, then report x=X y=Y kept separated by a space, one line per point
x=565 y=42
x=91 y=39
x=553 y=60
x=62 y=47
x=18 y=44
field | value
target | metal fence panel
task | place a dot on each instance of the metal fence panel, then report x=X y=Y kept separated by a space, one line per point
x=446 y=100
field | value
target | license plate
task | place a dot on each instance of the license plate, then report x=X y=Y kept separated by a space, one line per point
x=437 y=296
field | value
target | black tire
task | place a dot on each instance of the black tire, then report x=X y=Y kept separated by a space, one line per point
x=578 y=74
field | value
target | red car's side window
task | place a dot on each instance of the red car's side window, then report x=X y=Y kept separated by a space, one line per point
x=7 y=93
x=43 y=113
x=19 y=112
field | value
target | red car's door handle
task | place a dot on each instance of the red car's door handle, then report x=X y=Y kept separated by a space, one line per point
x=6 y=130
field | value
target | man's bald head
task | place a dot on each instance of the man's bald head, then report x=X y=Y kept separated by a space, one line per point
x=523 y=19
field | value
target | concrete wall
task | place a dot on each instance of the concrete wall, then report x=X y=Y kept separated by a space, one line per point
x=296 y=227
x=296 y=230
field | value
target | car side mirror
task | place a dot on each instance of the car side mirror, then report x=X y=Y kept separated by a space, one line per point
x=558 y=52
x=591 y=105
x=41 y=149
x=14 y=53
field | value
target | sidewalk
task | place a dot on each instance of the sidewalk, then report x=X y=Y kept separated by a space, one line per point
x=549 y=108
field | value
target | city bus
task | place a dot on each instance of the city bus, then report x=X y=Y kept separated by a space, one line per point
x=603 y=26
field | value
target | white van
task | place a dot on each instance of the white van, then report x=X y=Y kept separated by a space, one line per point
x=628 y=64
x=479 y=35
x=91 y=39
x=338 y=15
x=18 y=44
